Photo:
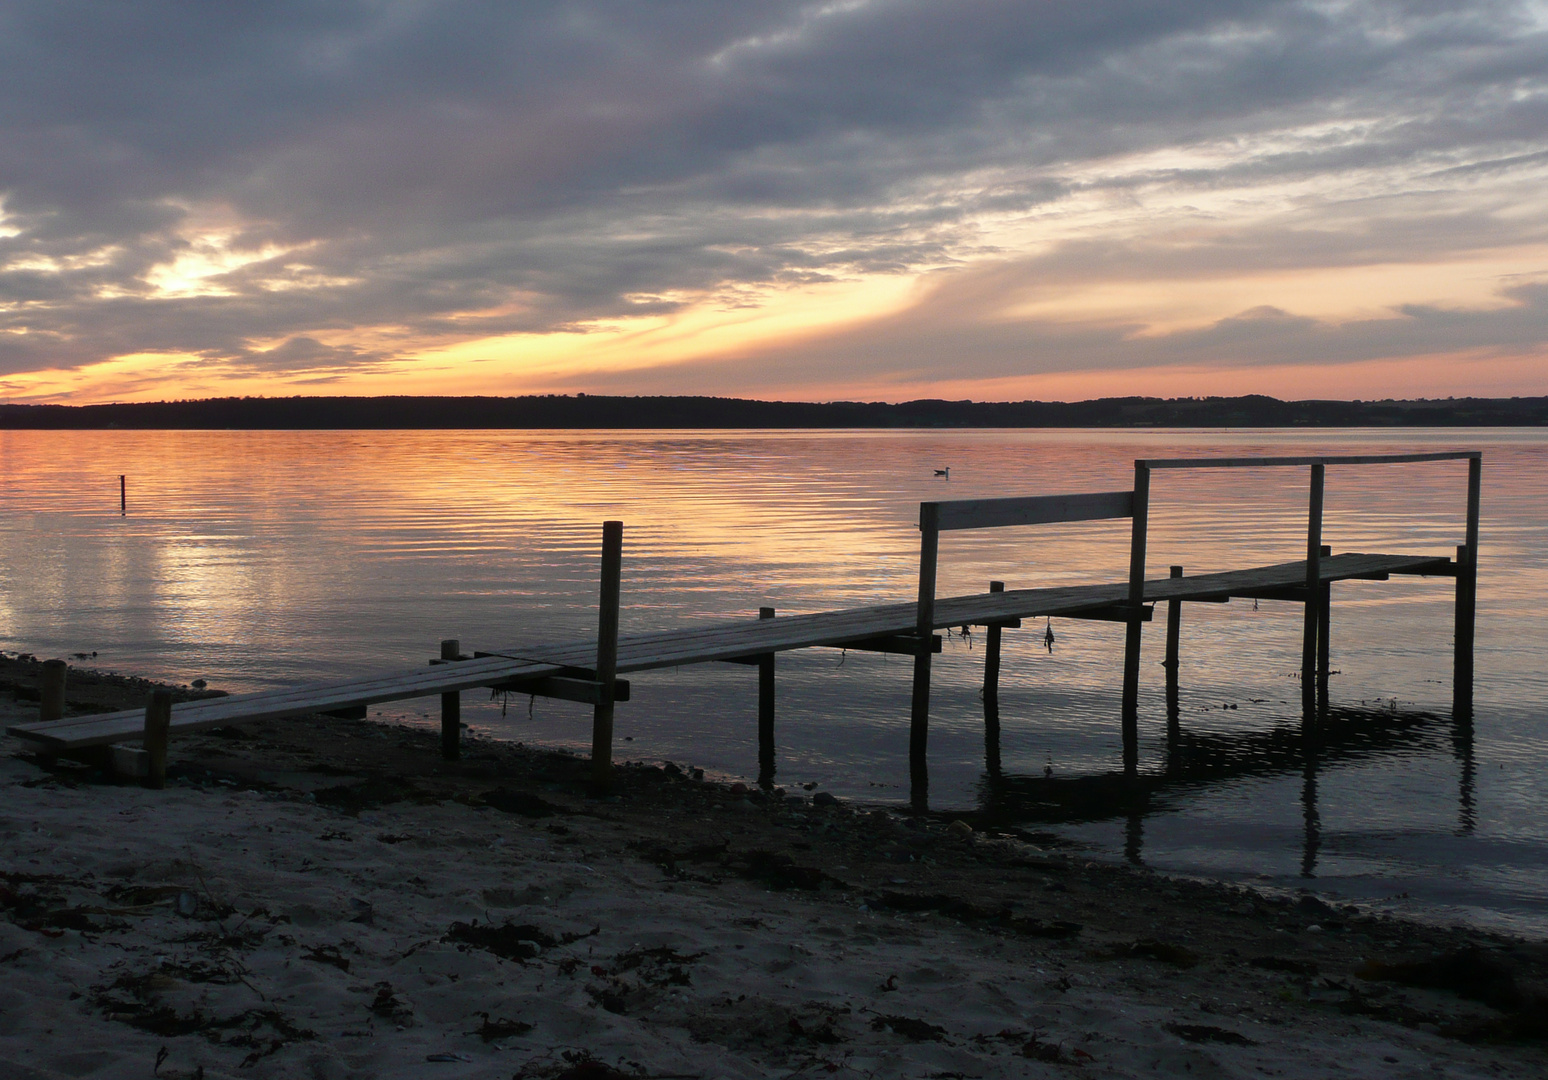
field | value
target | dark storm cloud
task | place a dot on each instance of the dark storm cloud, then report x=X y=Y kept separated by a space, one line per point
x=448 y=169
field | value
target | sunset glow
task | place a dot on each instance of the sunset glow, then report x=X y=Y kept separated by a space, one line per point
x=847 y=201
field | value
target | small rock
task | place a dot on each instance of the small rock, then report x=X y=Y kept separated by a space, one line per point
x=823 y=798
x=960 y=829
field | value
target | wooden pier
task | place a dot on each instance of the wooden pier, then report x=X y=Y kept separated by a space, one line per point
x=589 y=670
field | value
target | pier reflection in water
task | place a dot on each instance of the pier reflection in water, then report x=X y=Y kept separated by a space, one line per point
x=1196 y=759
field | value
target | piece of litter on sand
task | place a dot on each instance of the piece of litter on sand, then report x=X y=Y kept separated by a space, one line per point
x=447 y=1057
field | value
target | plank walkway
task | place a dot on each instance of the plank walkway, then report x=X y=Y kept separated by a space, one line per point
x=719 y=641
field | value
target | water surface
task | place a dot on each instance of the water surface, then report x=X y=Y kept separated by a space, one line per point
x=255 y=559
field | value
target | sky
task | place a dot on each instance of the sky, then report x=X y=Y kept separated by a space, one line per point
x=861 y=199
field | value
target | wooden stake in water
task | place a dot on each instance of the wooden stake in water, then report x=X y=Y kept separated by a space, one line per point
x=992 y=692
x=1136 y=604
x=1173 y=641
x=766 y=711
x=1324 y=637
x=924 y=634
x=1467 y=600
x=451 y=707
x=51 y=691
x=607 y=656
x=1313 y=591
x=158 y=722
x=123 y=496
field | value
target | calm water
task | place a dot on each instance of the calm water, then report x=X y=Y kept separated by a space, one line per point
x=254 y=559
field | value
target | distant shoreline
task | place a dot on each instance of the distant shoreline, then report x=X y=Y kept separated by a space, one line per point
x=584 y=411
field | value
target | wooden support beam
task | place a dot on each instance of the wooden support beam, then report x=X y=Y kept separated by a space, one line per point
x=1173 y=640
x=992 y=691
x=902 y=644
x=1115 y=613
x=1313 y=590
x=924 y=638
x=451 y=707
x=1032 y=510
x=51 y=691
x=564 y=688
x=1439 y=568
x=158 y=722
x=1467 y=600
x=570 y=684
x=766 y=765
x=130 y=762
x=1131 y=644
x=607 y=657
x=1295 y=594
x=1003 y=624
x=1173 y=625
x=1335 y=459
x=992 y=654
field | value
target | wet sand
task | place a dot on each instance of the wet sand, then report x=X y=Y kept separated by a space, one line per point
x=326 y=898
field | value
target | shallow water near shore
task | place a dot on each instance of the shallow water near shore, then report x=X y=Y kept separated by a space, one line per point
x=256 y=559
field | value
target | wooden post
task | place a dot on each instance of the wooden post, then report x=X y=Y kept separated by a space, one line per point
x=451 y=707
x=766 y=712
x=1131 y=643
x=158 y=722
x=1467 y=600
x=1173 y=640
x=924 y=631
x=607 y=657
x=1313 y=591
x=51 y=690
x=992 y=654
x=992 y=693
x=1324 y=637
x=123 y=496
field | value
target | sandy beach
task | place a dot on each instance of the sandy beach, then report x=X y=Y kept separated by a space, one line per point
x=326 y=898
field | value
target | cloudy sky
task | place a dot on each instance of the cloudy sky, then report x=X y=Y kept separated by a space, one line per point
x=883 y=199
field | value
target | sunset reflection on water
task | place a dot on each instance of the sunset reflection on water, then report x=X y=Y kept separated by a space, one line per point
x=254 y=559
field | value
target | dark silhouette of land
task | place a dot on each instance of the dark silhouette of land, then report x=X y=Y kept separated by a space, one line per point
x=590 y=411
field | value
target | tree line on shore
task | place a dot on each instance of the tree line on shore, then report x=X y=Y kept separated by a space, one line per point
x=596 y=411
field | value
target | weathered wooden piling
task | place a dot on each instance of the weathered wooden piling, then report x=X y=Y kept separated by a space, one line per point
x=766 y=765
x=123 y=496
x=1467 y=600
x=1324 y=637
x=1135 y=616
x=1173 y=642
x=992 y=653
x=158 y=724
x=924 y=631
x=451 y=707
x=992 y=691
x=1313 y=590
x=51 y=690
x=607 y=656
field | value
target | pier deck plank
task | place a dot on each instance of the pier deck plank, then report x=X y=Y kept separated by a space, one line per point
x=724 y=640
